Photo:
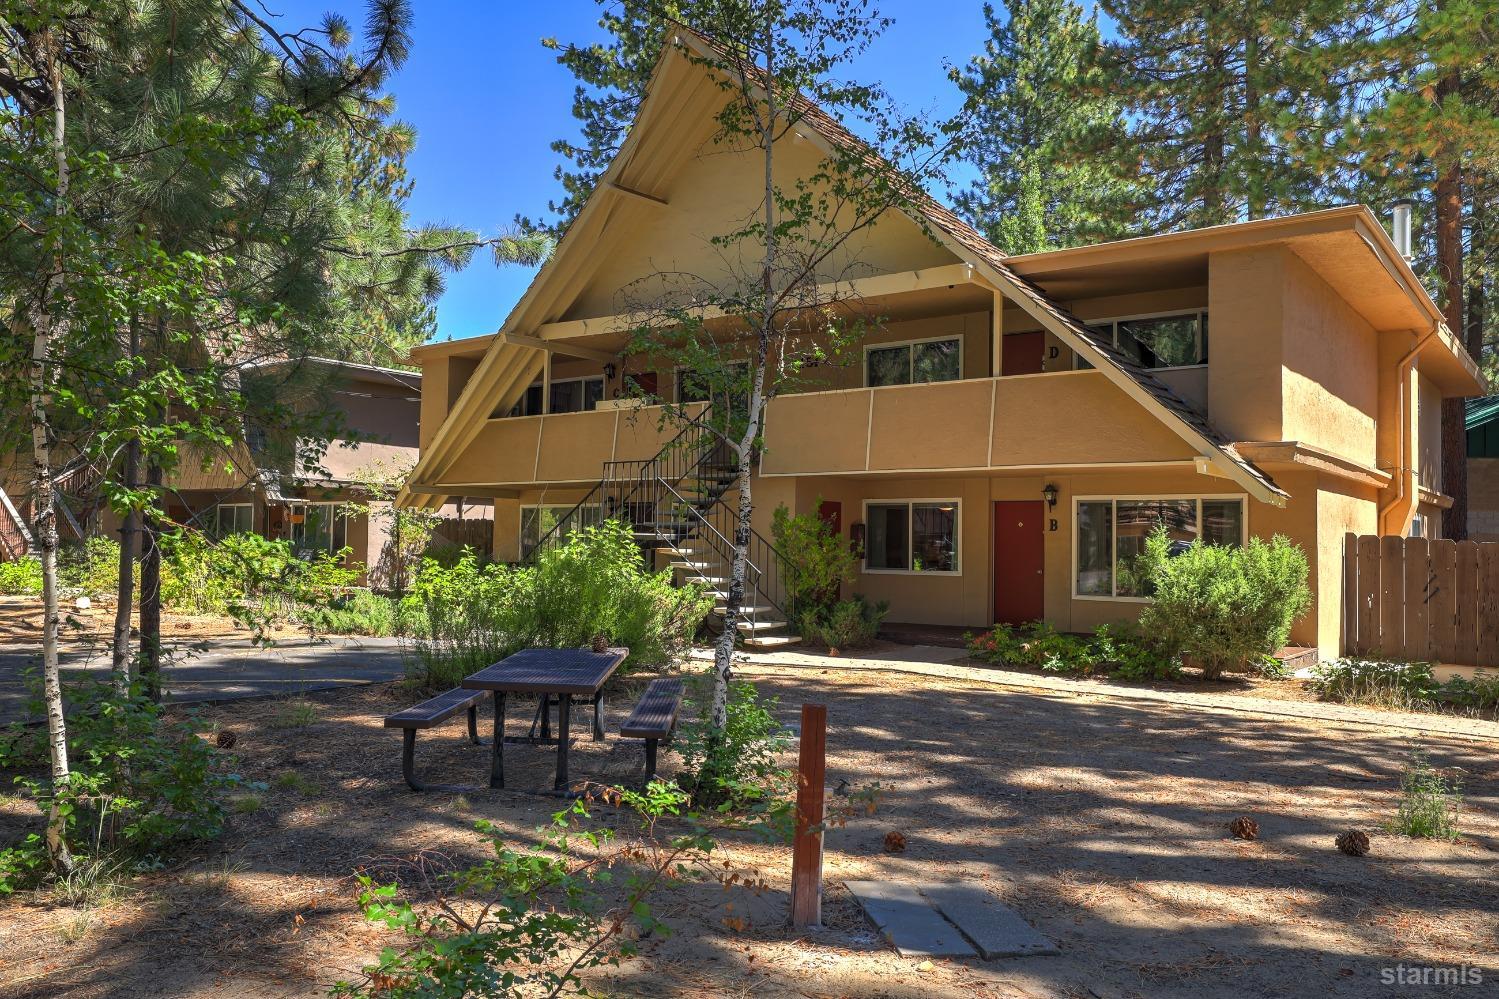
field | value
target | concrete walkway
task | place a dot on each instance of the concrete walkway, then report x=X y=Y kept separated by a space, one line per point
x=229 y=669
x=935 y=661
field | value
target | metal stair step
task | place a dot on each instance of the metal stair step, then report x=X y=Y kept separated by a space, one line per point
x=769 y=641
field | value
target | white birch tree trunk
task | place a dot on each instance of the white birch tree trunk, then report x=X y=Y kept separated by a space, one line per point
x=44 y=513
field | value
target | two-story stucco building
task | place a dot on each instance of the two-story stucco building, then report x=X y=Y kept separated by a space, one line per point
x=1015 y=424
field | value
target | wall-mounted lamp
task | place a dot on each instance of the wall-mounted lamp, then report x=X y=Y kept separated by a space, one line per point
x=609 y=370
x=1049 y=493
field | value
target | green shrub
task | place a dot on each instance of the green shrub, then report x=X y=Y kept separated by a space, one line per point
x=1385 y=683
x=1481 y=692
x=357 y=612
x=141 y=784
x=1225 y=607
x=596 y=582
x=92 y=567
x=847 y=624
x=815 y=560
x=737 y=766
x=21 y=577
x=1428 y=802
x=1121 y=650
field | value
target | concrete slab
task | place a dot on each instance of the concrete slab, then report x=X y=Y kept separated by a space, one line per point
x=905 y=919
x=993 y=927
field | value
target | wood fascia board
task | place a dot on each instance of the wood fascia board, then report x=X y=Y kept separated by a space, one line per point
x=1188 y=242
x=650 y=199
x=587 y=353
x=468 y=489
x=873 y=286
x=1292 y=454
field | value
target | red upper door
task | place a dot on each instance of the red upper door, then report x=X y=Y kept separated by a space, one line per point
x=1019 y=561
x=1023 y=353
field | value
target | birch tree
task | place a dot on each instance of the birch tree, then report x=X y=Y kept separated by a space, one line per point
x=777 y=298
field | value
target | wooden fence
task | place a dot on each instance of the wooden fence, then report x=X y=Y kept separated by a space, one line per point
x=1419 y=599
x=476 y=533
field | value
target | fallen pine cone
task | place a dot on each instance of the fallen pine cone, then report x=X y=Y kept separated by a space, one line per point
x=1354 y=842
x=895 y=842
x=226 y=739
x=600 y=643
x=1244 y=828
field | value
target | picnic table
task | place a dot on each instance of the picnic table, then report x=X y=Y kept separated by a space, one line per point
x=563 y=673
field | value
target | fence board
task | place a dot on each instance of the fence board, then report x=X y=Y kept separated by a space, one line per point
x=1466 y=598
x=1488 y=605
x=1368 y=594
x=1441 y=615
x=1350 y=591
x=1417 y=593
x=1391 y=596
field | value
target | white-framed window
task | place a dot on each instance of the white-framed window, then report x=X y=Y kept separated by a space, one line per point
x=1165 y=340
x=536 y=522
x=912 y=362
x=575 y=395
x=921 y=535
x=529 y=403
x=1109 y=536
x=232 y=518
x=318 y=527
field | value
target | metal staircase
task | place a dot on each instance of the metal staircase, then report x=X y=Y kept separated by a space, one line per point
x=678 y=505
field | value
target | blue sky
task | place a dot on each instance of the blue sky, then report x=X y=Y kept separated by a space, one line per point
x=487 y=99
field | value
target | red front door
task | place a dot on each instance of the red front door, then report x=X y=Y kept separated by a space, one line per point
x=1019 y=561
x=1024 y=354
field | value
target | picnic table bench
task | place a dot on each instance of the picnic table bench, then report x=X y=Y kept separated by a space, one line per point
x=428 y=714
x=654 y=717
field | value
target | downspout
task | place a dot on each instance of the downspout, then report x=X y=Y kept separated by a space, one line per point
x=1407 y=493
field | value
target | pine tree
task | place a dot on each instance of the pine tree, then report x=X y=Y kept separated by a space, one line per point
x=1030 y=100
x=1219 y=99
x=612 y=78
x=1436 y=116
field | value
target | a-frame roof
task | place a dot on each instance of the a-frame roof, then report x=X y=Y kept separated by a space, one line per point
x=688 y=50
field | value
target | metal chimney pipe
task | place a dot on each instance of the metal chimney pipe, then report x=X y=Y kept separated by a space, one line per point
x=1400 y=226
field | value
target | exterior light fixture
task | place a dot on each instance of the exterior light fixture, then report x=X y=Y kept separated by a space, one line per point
x=609 y=370
x=1049 y=493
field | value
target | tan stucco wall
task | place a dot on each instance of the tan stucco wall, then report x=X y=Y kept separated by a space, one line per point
x=1428 y=433
x=1330 y=355
x=1245 y=315
x=713 y=194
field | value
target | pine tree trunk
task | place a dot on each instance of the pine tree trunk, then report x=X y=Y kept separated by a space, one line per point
x=150 y=615
x=44 y=513
x=1449 y=229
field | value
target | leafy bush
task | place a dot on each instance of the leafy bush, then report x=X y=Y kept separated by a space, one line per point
x=358 y=612
x=1428 y=802
x=735 y=766
x=141 y=784
x=1482 y=691
x=594 y=583
x=530 y=920
x=92 y=567
x=21 y=577
x=1225 y=607
x=815 y=560
x=847 y=624
x=1385 y=683
x=1123 y=651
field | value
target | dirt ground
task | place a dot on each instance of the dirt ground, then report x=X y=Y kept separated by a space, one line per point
x=21 y=623
x=1100 y=820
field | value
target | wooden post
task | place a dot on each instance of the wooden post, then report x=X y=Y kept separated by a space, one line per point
x=806 y=854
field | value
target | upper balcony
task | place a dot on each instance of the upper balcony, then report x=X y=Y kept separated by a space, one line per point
x=1055 y=420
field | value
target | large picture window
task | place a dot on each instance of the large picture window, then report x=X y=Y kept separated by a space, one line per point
x=914 y=362
x=911 y=536
x=231 y=518
x=1179 y=340
x=536 y=522
x=576 y=395
x=318 y=527
x=1110 y=537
